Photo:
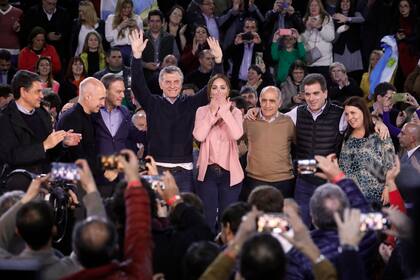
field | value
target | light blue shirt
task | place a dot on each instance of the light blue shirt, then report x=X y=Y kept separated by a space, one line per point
x=112 y=119
x=212 y=26
x=246 y=61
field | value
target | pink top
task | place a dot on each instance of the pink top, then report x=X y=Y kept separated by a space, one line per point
x=218 y=141
x=55 y=86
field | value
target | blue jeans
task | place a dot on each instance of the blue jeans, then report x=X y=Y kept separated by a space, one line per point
x=303 y=193
x=217 y=194
x=183 y=177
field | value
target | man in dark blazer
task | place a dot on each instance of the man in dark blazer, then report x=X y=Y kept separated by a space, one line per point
x=7 y=71
x=79 y=118
x=408 y=179
x=112 y=125
x=28 y=140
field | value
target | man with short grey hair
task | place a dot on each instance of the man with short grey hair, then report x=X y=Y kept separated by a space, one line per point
x=170 y=118
x=342 y=86
x=269 y=156
x=326 y=200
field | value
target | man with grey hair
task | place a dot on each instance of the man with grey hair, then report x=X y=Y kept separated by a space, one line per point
x=342 y=86
x=326 y=200
x=170 y=118
x=269 y=139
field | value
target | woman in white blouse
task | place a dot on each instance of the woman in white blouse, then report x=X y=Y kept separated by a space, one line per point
x=319 y=34
x=119 y=25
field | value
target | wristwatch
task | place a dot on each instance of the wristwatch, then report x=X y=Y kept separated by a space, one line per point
x=347 y=247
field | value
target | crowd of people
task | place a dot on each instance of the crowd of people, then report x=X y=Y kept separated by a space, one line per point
x=210 y=139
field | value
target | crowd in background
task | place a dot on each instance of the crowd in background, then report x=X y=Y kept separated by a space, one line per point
x=190 y=122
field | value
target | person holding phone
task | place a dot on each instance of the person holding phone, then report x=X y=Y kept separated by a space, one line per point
x=286 y=48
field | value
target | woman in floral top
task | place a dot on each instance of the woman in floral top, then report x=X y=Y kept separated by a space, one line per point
x=365 y=157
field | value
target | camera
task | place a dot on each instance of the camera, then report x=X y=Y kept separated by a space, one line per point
x=399 y=97
x=373 y=221
x=273 y=222
x=306 y=166
x=248 y=36
x=154 y=181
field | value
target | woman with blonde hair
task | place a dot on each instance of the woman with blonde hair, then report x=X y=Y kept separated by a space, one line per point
x=93 y=55
x=87 y=22
x=375 y=55
x=119 y=25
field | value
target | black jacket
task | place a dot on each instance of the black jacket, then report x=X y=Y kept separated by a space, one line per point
x=74 y=35
x=19 y=146
x=76 y=119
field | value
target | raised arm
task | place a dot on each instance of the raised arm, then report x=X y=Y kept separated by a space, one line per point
x=201 y=99
x=139 y=84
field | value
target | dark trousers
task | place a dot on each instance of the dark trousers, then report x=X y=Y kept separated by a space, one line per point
x=287 y=187
x=217 y=194
x=183 y=177
x=303 y=193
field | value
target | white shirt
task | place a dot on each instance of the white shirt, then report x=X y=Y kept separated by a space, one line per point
x=341 y=127
x=111 y=34
x=84 y=30
x=272 y=119
x=411 y=152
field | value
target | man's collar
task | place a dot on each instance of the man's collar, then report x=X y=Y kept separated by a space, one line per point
x=47 y=13
x=412 y=151
x=268 y=120
x=320 y=111
x=23 y=110
x=170 y=100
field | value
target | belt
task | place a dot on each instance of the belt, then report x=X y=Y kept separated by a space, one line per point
x=172 y=169
x=216 y=167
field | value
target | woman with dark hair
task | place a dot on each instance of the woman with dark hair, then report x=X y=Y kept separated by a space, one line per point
x=87 y=22
x=365 y=157
x=290 y=89
x=189 y=59
x=69 y=88
x=347 y=45
x=93 y=55
x=175 y=27
x=258 y=78
x=38 y=47
x=405 y=30
x=218 y=127
x=43 y=69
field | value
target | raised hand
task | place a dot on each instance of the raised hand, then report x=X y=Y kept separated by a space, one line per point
x=137 y=43
x=215 y=49
x=86 y=178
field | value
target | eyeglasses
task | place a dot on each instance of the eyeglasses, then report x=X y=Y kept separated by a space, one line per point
x=207 y=3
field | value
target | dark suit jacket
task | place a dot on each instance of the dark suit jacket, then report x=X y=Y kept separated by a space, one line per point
x=125 y=138
x=408 y=179
x=19 y=146
x=237 y=54
x=76 y=119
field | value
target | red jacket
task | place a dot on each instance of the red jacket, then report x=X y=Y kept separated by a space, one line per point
x=28 y=59
x=137 y=262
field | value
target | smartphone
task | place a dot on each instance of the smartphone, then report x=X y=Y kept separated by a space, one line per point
x=285 y=32
x=399 y=97
x=273 y=222
x=248 y=36
x=259 y=58
x=373 y=221
x=61 y=171
x=306 y=166
x=154 y=181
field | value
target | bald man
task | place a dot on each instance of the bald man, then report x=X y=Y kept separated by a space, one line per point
x=91 y=98
x=408 y=178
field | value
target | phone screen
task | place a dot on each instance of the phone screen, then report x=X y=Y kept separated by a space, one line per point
x=64 y=171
